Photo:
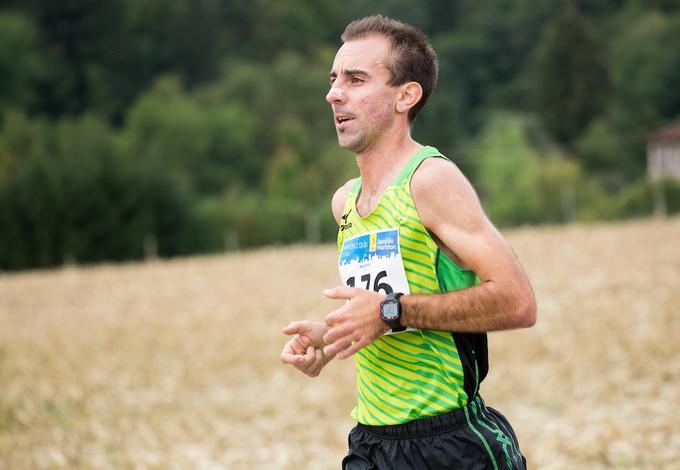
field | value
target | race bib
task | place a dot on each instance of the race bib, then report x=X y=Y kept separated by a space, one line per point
x=372 y=261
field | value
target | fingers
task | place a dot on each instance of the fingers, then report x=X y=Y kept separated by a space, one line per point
x=292 y=359
x=342 y=292
x=301 y=355
x=345 y=336
x=344 y=346
x=303 y=351
x=310 y=363
x=339 y=327
x=293 y=352
x=335 y=317
x=319 y=363
x=313 y=362
x=349 y=351
x=293 y=327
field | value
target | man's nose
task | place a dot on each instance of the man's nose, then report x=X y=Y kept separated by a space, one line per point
x=335 y=95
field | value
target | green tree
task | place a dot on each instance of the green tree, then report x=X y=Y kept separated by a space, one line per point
x=206 y=145
x=483 y=56
x=22 y=66
x=67 y=195
x=573 y=81
x=644 y=71
x=521 y=183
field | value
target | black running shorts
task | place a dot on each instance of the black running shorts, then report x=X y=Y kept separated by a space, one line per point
x=469 y=438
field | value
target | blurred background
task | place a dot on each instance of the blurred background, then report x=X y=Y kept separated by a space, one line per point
x=153 y=130
x=133 y=129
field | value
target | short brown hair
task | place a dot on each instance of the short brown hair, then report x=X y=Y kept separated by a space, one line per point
x=411 y=58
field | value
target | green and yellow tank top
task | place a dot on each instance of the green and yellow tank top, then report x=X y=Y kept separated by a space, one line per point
x=417 y=373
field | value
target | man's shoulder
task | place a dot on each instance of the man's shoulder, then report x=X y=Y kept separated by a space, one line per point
x=340 y=197
x=438 y=174
x=441 y=192
x=341 y=193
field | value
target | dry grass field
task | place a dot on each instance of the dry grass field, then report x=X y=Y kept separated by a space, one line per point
x=175 y=364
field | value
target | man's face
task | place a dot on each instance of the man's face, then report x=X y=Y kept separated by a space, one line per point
x=362 y=101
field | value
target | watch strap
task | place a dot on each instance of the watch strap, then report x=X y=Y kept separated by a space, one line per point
x=395 y=324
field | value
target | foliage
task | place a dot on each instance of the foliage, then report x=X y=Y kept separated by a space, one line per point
x=644 y=66
x=65 y=197
x=572 y=76
x=635 y=200
x=518 y=184
x=202 y=124
x=22 y=66
x=205 y=145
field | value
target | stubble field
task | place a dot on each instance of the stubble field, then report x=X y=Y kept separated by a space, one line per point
x=175 y=364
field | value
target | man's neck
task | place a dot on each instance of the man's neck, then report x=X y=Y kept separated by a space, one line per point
x=380 y=165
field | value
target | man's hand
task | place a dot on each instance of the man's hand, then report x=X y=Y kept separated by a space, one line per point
x=354 y=325
x=305 y=350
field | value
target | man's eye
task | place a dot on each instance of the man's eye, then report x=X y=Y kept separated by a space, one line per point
x=356 y=80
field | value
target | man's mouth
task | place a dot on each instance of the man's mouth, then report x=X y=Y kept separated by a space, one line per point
x=341 y=119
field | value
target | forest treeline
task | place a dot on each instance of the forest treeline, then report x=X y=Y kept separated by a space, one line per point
x=159 y=127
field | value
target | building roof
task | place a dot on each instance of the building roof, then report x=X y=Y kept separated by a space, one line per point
x=670 y=133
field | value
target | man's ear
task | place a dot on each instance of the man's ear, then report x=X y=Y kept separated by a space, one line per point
x=409 y=95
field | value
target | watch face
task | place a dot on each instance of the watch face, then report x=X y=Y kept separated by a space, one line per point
x=390 y=311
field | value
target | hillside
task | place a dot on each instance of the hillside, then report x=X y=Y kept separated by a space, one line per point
x=174 y=364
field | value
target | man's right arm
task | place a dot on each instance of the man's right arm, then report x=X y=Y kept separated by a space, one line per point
x=304 y=351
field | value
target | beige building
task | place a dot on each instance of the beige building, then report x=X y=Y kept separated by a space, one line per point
x=663 y=153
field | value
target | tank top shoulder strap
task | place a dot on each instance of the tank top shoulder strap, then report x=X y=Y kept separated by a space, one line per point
x=356 y=186
x=406 y=172
x=414 y=162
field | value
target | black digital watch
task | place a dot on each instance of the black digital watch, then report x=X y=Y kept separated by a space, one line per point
x=390 y=312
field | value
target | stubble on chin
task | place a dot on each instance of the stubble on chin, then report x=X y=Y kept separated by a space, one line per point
x=353 y=143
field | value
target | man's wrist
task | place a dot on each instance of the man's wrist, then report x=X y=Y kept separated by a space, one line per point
x=391 y=313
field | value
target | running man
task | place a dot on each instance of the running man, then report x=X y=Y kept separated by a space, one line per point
x=424 y=273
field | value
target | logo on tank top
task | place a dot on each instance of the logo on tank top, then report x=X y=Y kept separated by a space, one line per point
x=344 y=226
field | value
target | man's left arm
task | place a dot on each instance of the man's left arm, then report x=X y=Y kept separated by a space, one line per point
x=449 y=208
